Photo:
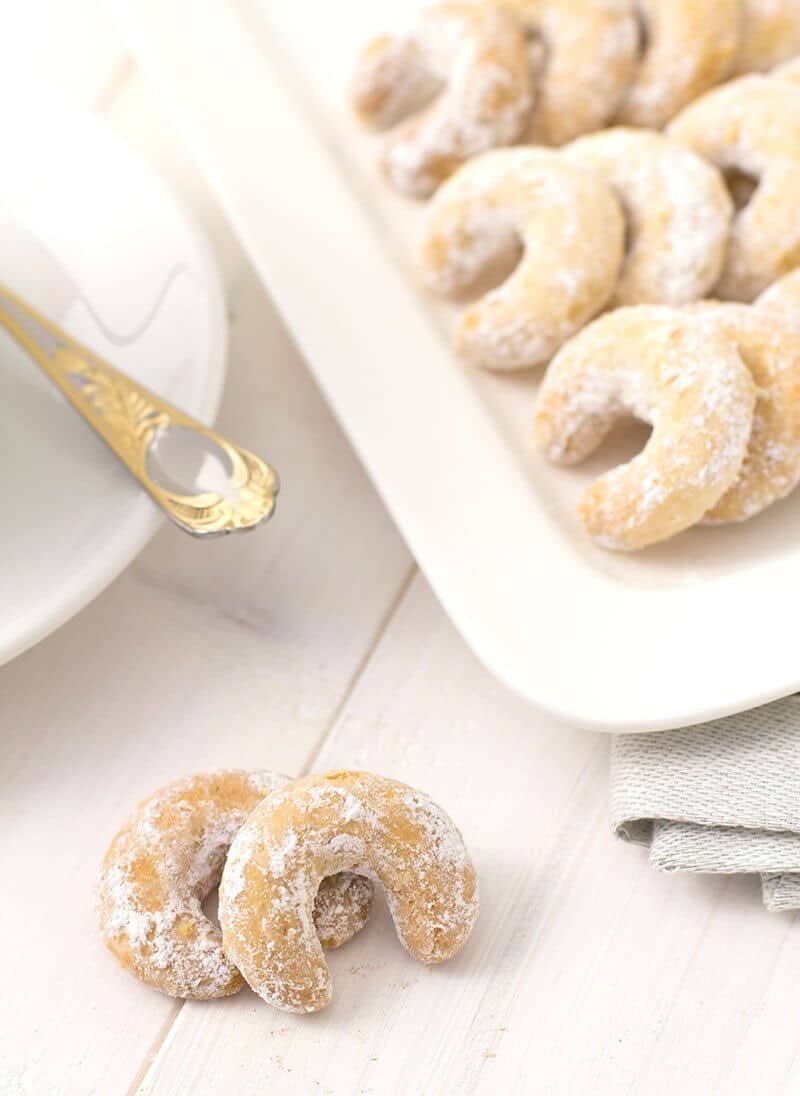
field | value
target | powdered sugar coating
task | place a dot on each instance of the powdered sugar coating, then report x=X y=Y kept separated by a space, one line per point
x=589 y=55
x=770 y=34
x=789 y=71
x=771 y=467
x=781 y=301
x=571 y=229
x=472 y=60
x=677 y=208
x=667 y=369
x=690 y=47
x=342 y=821
x=164 y=862
x=752 y=125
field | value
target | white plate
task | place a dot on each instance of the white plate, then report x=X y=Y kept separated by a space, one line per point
x=92 y=238
x=697 y=628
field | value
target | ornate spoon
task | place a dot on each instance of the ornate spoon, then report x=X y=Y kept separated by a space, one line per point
x=160 y=445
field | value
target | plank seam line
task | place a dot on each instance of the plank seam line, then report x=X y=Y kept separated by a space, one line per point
x=380 y=631
x=114 y=86
x=155 y=1048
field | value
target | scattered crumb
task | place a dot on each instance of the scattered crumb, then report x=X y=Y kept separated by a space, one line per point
x=360 y=968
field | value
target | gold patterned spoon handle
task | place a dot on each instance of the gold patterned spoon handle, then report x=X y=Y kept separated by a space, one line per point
x=143 y=430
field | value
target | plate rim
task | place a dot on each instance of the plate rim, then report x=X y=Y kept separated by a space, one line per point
x=127 y=540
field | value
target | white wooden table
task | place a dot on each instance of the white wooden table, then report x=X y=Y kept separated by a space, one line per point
x=317 y=643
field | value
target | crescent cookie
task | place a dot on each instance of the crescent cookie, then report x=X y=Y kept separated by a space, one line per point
x=687 y=381
x=689 y=47
x=677 y=208
x=570 y=228
x=752 y=126
x=771 y=467
x=591 y=52
x=472 y=62
x=321 y=825
x=770 y=34
x=781 y=301
x=164 y=862
x=788 y=71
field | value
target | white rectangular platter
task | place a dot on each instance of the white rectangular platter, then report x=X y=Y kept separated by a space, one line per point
x=697 y=628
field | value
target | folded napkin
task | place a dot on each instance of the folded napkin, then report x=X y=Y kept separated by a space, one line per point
x=722 y=797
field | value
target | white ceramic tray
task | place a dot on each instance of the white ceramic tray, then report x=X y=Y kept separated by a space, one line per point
x=691 y=630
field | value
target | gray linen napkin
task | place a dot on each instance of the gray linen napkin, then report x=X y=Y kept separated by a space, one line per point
x=722 y=797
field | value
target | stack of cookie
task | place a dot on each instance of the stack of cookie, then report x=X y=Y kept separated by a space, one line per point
x=473 y=76
x=631 y=223
x=295 y=861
